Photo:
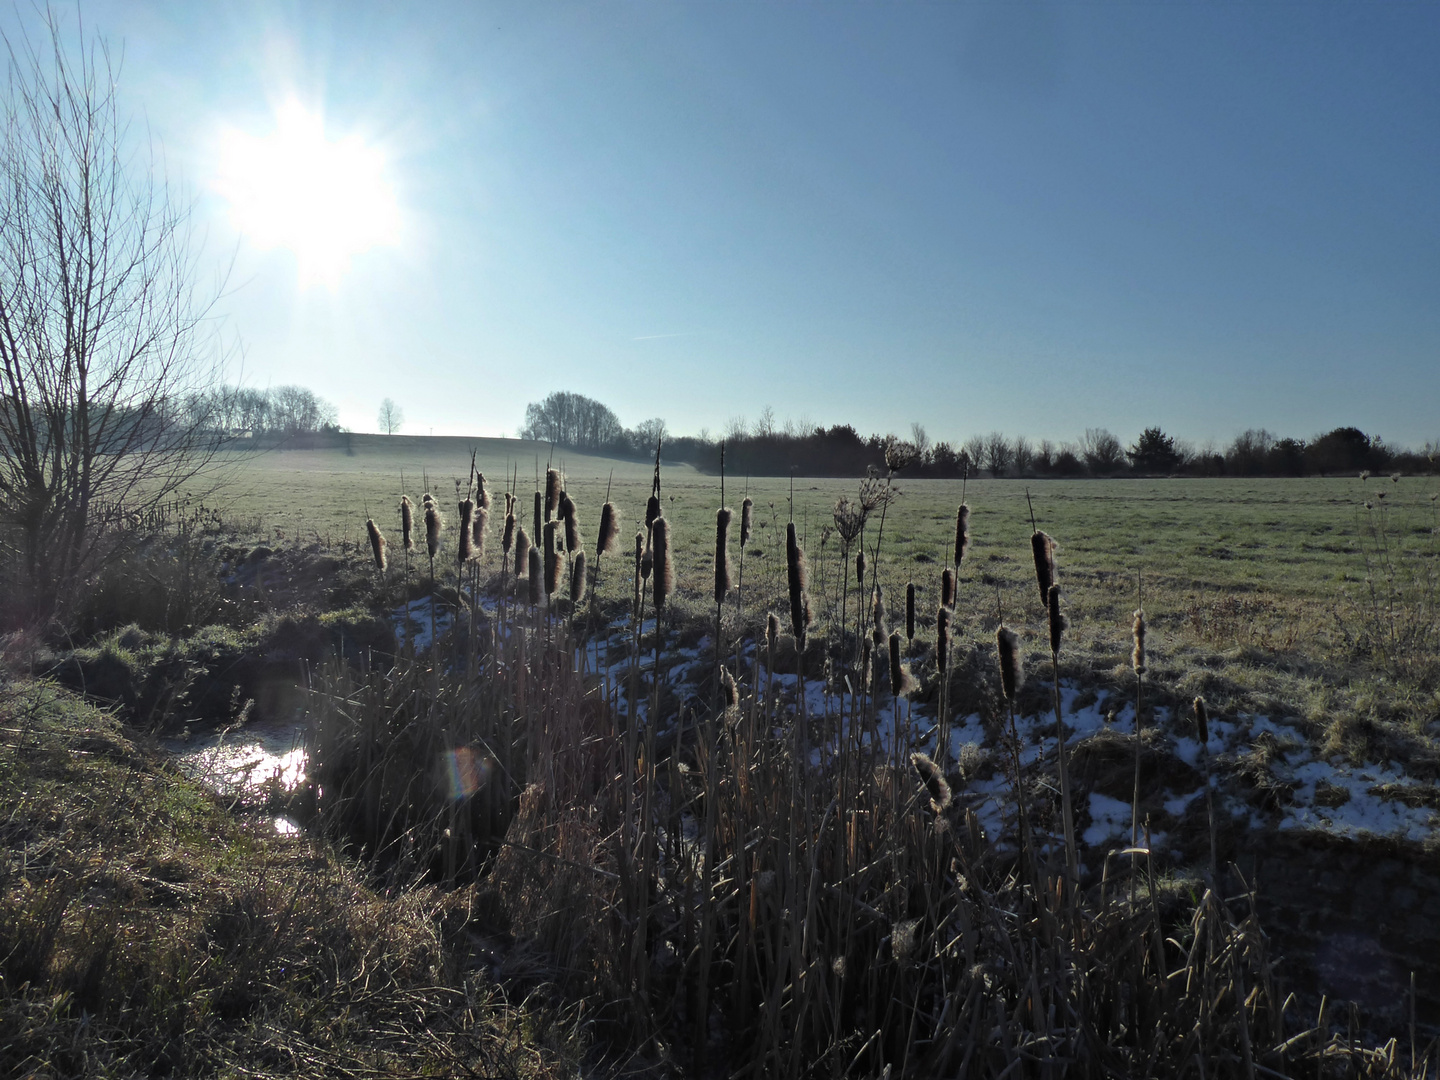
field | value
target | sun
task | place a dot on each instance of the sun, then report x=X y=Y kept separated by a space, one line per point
x=326 y=200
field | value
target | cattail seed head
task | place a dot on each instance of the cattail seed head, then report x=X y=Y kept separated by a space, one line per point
x=522 y=552
x=577 y=579
x=407 y=523
x=1202 y=721
x=934 y=780
x=1043 y=548
x=652 y=510
x=647 y=559
x=867 y=665
x=877 y=614
x=947 y=588
x=507 y=540
x=722 y=553
x=901 y=682
x=482 y=523
x=553 y=488
x=962 y=533
x=509 y=503
x=664 y=571
x=377 y=544
x=1012 y=674
x=942 y=637
x=795 y=566
x=464 y=551
x=1058 y=621
x=482 y=491
x=1137 y=631
x=432 y=529
x=860 y=569
x=910 y=611
x=572 y=523
x=772 y=632
x=747 y=509
x=609 y=530
x=728 y=689
x=537 y=574
x=552 y=560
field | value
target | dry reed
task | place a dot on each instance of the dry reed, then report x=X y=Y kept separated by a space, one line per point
x=377 y=544
x=797 y=579
x=552 y=557
x=464 y=550
x=522 y=552
x=722 y=554
x=664 y=564
x=537 y=574
x=1043 y=549
x=553 y=488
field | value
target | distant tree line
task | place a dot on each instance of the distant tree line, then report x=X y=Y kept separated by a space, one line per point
x=767 y=447
x=238 y=411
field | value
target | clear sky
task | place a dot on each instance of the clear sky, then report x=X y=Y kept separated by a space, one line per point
x=1035 y=218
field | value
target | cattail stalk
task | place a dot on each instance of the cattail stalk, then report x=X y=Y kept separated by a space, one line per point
x=947 y=588
x=1043 y=549
x=1202 y=728
x=552 y=558
x=482 y=492
x=522 y=552
x=433 y=526
x=1137 y=661
x=962 y=534
x=797 y=578
x=482 y=523
x=664 y=568
x=722 y=575
x=572 y=524
x=537 y=575
x=910 y=611
x=553 y=487
x=577 y=580
x=539 y=516
x=377 y=544
x=464 y=550
x=407 y=523
x=901 y=682
x=1058 y=624
x=1012 y=677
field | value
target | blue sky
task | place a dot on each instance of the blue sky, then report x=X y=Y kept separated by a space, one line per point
x=1035 y=218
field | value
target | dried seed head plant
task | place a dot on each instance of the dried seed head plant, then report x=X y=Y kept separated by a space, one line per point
x=537 y=575
x=377 y=544
x=464 y=550
x=407 y=522
x=1202 y=721
x=947 y=588
x=572 y=524
x=1058 y=621
x=849 y=519
x=482 y=491
x=552 y=558
x=900 y=454
x=878 y=631
x=433 y=526
x=507 y=539
x=860 y=569
x=942 y=637
x=747 y=510
x=482 y=523
x=522 y=552
x=772 y=632
x=664 y=564
x=722 y=553
x=729 y=690
x=609 y=530
x=1137 y=633
x=910 y=611
x=902 y=684
x=538 y=521
x=1043 y=548
x=1012 y=673
x=577 y=580
x=647 y=558
x=934 y=780
x=553 y=487
x=798 y=579
x=652 y=510
x=962 y=533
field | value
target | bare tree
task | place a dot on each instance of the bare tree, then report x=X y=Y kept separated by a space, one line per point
x=1102 y=451
x=1023 y=454
x=974 y=452
x=921 y=439
x=99 y=320
x=391 y=417
x=998 y=453
x=765 y=423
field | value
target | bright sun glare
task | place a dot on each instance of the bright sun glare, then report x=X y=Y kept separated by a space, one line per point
x=327 y=200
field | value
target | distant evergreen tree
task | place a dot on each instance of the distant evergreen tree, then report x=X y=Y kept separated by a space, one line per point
x=1153 y=452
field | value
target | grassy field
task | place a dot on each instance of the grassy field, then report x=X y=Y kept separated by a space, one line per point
x=1258 y=591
